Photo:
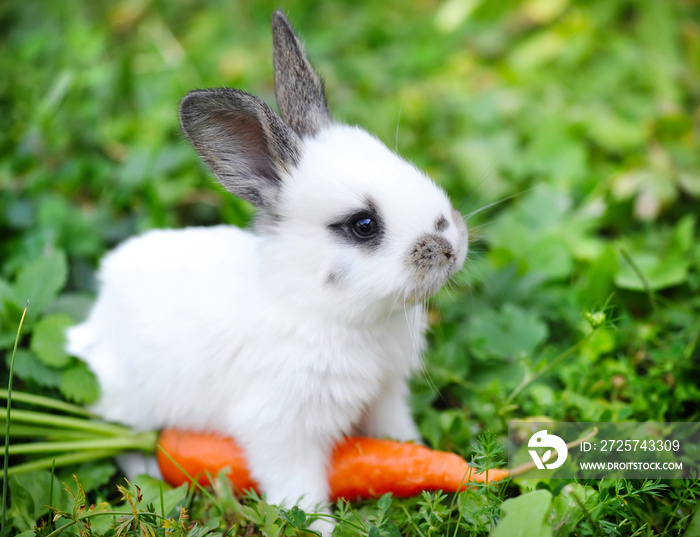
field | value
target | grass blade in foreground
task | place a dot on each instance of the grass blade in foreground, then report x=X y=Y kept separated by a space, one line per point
x=7 y=423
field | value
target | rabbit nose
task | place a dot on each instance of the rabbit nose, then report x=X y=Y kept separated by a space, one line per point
x=430 y=252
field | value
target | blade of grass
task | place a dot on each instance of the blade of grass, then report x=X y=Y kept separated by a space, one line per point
x=530 y=378
x=645 y=284
x=7 y=422
x=53 y=476
x=162 y=500
x=192 y=480
x=462 y=495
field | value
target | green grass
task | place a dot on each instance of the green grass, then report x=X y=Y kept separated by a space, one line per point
x=582 y=116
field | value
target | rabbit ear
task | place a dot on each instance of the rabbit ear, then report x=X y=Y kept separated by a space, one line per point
x=246 y=145
x=299 y=90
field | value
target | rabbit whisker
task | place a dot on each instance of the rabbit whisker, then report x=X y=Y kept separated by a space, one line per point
x=426 y=373
x=398 y=123
x=468 y=216
x=485 y=175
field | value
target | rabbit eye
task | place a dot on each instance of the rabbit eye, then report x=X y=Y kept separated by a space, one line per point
x=365 y=228
x=362 y=228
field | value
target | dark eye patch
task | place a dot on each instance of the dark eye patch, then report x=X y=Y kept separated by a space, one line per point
x=361 y=228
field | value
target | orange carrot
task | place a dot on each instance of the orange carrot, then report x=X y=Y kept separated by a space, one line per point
x=359 y=468
x=370 y=467
x=199 y=454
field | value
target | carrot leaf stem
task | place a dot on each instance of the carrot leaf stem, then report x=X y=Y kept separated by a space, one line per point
x=141 y=441
x=69 y=422
x=62 y=460
x=19 y=430
x=46 y=402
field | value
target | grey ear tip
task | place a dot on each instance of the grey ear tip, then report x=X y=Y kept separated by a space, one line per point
x=280 y=18
x=192 y=96
x=190 y=102
x=187 y=103
x=187 y=98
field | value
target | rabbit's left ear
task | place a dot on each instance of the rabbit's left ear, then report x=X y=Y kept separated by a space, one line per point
x=247 y=146
x=299 y=90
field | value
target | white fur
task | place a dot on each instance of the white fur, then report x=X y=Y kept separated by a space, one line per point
x=226 y=330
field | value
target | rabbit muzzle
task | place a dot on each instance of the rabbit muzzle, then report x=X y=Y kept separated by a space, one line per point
x=435 y=257
x=433 y=261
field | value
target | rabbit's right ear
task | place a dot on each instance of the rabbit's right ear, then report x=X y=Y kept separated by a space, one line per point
x=247 y=146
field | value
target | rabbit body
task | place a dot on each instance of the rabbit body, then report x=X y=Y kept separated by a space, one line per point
x=221 y=350
x=295 y=333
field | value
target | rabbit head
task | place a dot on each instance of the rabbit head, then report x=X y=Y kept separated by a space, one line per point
x=345 y=225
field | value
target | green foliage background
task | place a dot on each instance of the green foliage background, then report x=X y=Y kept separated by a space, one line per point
x=587 y=113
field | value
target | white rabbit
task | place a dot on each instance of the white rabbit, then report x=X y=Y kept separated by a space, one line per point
x=306 y=328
